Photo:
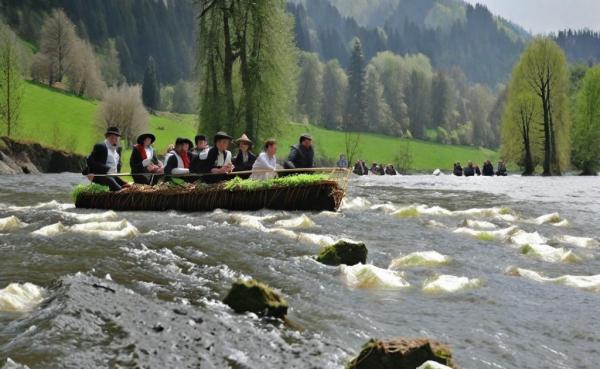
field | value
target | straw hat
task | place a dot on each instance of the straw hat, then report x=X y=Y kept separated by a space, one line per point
x=245 y=139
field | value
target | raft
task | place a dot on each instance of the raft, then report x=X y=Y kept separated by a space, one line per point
x=319 y=195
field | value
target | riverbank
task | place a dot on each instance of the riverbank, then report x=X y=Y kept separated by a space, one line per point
x=22 y=157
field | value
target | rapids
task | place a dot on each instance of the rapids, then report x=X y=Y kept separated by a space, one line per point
x=504 y=270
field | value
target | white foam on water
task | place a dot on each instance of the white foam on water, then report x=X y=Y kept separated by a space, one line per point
x=355 y=203
x=93 y=217
x=522 y=238
x=386 y=208
x=500 y=235
x=299 y=222
x=11 y=224
x=435 y=223
x=586 y=283
x=483 y=212
x=451 y=284
x=552 y=218
x=421 y=258
x=285 y=233
x=550 y=254
x=370 y=276
x=10 y=364
x=331 y=214
x=563 y=223
x=584 y=242
x=128 y=232
x=195 y=227
x=19 y=298
x=317 y=239
x=100 y=226
x=51 y=230
x=44 y=206
x=433 y=365
x=479 y=224
x=437 y=172
x=251 y=221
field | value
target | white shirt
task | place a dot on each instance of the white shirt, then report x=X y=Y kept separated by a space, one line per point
x=223 y=158
x=203 y=154
x=180 y=169
x=263 y=164
x=112 y=158
x=149 y=155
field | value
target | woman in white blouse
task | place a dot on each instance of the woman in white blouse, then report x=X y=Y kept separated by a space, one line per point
x=266 y=164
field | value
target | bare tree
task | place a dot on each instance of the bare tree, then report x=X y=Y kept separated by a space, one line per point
x=11 y=80
x=122 y=107
x=83 y=75
x=58 y=38
x=352 y=141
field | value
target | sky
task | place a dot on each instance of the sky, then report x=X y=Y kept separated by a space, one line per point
x=544 y=16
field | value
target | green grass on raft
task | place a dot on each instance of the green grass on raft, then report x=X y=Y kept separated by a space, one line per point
x=290 y=181
x=66 y=121
x=91 y=188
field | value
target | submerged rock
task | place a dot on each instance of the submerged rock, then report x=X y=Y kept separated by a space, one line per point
x=400 y=353
x=255 y=297
x=344 y=252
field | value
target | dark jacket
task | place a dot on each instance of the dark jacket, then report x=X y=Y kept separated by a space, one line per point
x=96 y=162
x=240 y=165
x=197 y=165
x=501 y=170
x=488 y=170
x=137 y=166
x=469 y=171
x=358 y=170
x=390 y=171
x=458 y=171
x=300 y=157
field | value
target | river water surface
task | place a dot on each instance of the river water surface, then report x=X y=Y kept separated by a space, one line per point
x=514 y=281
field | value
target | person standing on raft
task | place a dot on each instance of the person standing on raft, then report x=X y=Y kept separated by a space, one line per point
x=301 y=155
x=106 y=159
x=266 y=164
x=143 y=160
x=178 y=160
x=245 y=158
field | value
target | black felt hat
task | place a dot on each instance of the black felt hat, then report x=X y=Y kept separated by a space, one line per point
x=222 y=135
x=141 y=138
x=182 y=140
x=113 y=131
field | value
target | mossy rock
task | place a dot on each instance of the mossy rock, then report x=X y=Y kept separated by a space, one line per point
x=401 y=353
x=255 y=297
x=343 y=252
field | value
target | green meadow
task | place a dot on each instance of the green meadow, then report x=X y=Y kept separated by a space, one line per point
x=65 y=121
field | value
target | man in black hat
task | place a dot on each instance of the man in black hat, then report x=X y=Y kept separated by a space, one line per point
x=301 y=155
x=218 y=160
x=106 y=159
x=143 y=160
x=177 y=161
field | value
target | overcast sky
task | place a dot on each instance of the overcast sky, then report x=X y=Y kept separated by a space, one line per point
x=544 y=16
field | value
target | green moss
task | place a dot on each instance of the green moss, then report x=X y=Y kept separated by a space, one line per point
x=485 y=236
x=289 y=181
x=505 y=211
x=410 y=212
x=255 y=297
x=343 y=252
x=92 y=189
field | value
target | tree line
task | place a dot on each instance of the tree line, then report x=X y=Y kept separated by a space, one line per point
x=397 y=95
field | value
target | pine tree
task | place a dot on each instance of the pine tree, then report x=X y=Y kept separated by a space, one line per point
x=181 y=99
x=440 y=101
x=150 y=87
x=356 y=105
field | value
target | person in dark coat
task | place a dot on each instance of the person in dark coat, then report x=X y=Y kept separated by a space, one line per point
x=381 y=169
x=458 y=170
x=106 y=159
x=199 y=154
x=469 y=170
x=177 y=161
x=301 y=155
x=365 y=170
x=218 y=160
x=143 y=160
x=358 y=169
x=245 y=159
x=488 y=169
x=502 y=172
x=390 y=170
x=374 y=169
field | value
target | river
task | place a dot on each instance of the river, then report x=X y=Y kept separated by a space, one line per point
x=94 y=289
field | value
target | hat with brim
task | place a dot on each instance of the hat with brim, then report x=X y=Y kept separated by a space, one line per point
x=113 y=131
x=181 y=141
x=243 y=139
x=221 y=136
x=306 y=136
x=141 y=138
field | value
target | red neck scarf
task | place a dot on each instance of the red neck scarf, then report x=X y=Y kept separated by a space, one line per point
x=185 y=158
x=142 y=150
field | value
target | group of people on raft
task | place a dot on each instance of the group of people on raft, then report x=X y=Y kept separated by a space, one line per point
x=360 y=168
x=186 y=158
x=472 y=170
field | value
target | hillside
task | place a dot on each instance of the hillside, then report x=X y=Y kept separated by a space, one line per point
x=65 y=121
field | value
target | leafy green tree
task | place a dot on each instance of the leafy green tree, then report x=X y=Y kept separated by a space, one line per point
x=11 y=80
x=181 y=99
x=393 y=76
x=356 y=105
x=542 y=71
x=417 y=99
x=309 y=96
x=521 y=138
x=441 y=109
x=335 y=85
x=586 y=125
x=151 y=87
x=378 y=111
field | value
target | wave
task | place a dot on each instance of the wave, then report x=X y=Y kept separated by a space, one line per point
x=10 y=364
x=421 y=258
x=50 y=205
x=583 y=242
x=433 y=365
x=93 y=217
x=500 y=235
x=299 y=222
x=370 y=276
x=552 y=218
x=450 y=284
x=355 y=203
x=550 y=254
x=522 y=238
x=479 y=224
x=586 y=283
x=18 y=298
x=11 y=224
x=386 y=208
x=107 y=230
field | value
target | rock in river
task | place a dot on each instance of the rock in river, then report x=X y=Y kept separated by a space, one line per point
x=343 y=252
x=401 y=353
x=255 y=297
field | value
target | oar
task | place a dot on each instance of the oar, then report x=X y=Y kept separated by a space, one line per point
x=299 y=170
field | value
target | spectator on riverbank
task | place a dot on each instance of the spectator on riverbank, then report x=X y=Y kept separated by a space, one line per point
x=502 y=172
x=488 y=169
x=458 y=170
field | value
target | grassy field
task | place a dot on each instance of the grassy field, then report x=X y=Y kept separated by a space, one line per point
x=66 y=121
